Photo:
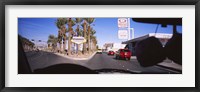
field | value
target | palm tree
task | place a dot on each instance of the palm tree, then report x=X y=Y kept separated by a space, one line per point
x=89 y=21
x=78 y=30
x=60 y=36
x=84 y=25
x=53 y=41
x=95 y=43
x=64 y=39
x=60 y=23
x=70 y=24
x=93 y=39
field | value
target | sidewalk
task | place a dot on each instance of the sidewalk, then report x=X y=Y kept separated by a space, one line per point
x=75 y=57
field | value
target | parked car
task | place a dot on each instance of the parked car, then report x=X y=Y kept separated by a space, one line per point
x=111 y=53
x=123 y=54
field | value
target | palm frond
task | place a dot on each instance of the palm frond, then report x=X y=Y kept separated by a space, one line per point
x=90 y=20
x=60 y=22
x=78 y=20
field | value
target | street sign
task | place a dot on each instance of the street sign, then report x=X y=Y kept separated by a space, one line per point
x=78 y=40
x=123 y=34
x=122 y=22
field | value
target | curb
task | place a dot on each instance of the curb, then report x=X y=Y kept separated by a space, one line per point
x=76 y=58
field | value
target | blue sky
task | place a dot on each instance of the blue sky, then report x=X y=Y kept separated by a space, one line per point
x=106 y=29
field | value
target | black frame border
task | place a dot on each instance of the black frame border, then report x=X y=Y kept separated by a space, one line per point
x=3 y=3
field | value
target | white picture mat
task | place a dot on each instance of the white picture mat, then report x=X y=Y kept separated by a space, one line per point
x=186 y=79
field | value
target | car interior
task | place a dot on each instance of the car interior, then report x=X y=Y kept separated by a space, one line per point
x=149 y=52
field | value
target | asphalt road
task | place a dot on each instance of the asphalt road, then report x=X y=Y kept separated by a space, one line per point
x=38 y=60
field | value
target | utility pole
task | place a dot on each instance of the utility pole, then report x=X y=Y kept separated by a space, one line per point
x=130 y=36
x=132 y=30
x=129 y=32
x=124 y=23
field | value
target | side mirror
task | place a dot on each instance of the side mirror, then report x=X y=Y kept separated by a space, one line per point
x=149 y=52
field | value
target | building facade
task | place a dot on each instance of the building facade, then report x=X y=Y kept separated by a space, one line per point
x=113 y=46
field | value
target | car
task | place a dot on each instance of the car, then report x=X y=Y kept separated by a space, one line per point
x=123 y=54
x=111 y=53
x=99 y=51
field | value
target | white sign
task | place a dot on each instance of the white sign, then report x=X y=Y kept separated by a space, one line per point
x=122 y=22
x=78 y=40
x=123 y=34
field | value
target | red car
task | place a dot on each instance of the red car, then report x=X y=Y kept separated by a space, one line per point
x=111 y=53
x=123 y=54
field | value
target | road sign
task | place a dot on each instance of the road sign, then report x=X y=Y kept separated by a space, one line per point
x=123 y=34
x=78 y=40
x=122 y=22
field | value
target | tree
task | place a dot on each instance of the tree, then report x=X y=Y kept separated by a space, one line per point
x=70 y=24
x=78 y=30
x=60 y=23
x=84 y=25
x=93 y=39
x=60 y=36
x=89 y=21
x=53 y=41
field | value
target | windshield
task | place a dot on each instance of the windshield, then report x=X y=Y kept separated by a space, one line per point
x=155 y=44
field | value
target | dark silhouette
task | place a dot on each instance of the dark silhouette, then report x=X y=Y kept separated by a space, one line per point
x=173 y=48
x=149 y=52
x=23 y=65
x=65 y=69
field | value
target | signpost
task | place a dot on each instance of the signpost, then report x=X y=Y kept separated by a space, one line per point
x=78 y=40
x=123 y=34
x=124 y=23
